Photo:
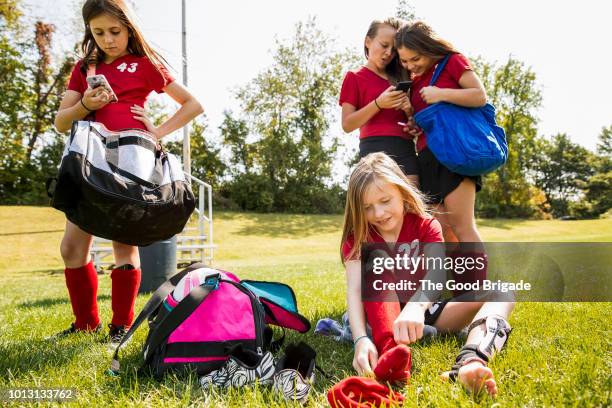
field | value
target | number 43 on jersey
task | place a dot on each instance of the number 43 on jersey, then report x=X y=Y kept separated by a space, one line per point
x=124 y=66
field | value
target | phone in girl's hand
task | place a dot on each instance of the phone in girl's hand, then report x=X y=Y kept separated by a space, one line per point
x=403 y=86
x=402 y=124
x=100 y=80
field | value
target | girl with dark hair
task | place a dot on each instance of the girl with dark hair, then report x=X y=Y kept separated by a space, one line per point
x=371 y=104
x=453 y=195
x=113 y=46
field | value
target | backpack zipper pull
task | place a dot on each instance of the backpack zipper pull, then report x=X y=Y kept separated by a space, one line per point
x=259 y=351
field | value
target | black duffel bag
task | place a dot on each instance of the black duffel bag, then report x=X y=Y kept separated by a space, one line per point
x=121 y=186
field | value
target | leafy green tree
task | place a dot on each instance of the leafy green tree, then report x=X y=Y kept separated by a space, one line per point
x=242 y=154
x=513 y=90
x=287 y=112
x=597 y=190
x=31 y=87
x=405 y=11
x=562 y=169
x=604 y=146
x=206 y=163
x=9 y=13
x=603 y=162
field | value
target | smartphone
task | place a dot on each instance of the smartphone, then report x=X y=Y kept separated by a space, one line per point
x=100 y=80
x=403 y=86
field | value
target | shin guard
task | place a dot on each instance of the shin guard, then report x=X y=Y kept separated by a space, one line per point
x=497 y=330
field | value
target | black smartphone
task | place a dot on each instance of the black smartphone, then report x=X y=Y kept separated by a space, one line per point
x=403 y=86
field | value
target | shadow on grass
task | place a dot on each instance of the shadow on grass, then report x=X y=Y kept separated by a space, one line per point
x=23 y=358
x=52 y=302
x=105 y=271
x=285 y=225
x=8 y=234
x=500 y=223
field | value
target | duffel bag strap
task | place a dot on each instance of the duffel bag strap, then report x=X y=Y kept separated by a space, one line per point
x=111 y=152
x=181 y=312
x=156 y=299
x=439 y=69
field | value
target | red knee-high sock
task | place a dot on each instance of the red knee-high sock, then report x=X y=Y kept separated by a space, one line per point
x=381 y=316
x=82 y=286
x=125 y=284
x=394 y=361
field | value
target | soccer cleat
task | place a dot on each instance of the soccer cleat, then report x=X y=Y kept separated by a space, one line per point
x=295 y=372
x=243 y=367
x=72 y=330
x=115 y=334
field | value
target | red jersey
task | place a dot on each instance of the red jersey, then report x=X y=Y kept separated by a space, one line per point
x=414 y=228
x=415 y=232
x=132 y=79
x=449 y=78
x=361 y=87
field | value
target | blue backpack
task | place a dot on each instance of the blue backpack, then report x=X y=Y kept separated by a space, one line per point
x=466 y=140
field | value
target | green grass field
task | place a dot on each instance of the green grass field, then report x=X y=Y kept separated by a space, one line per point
x=559 y=354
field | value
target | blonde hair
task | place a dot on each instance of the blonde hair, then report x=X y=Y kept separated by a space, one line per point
x=373 y=168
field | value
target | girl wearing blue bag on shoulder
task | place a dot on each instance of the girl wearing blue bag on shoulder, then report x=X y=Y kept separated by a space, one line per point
x=420 y=50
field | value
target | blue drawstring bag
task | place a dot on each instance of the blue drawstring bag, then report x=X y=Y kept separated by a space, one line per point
x=467 y=141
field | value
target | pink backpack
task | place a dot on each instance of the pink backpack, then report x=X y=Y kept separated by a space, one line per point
x=200 y=314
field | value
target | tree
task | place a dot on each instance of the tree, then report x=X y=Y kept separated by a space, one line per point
x=597 y=190
x=513 y=90
x=31 y=88
x=603 y=162
x=405 y=11
x=235 y=133
x=9 y=13
x=287 y=112
x=206 y=163
x=604 y=146
x=561 y=169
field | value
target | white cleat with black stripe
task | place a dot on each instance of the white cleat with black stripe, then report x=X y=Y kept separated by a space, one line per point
x=243 y=367
x=295 y=372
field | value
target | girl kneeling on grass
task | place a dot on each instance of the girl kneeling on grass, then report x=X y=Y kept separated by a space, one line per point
x=116 y=47
x=383 y=206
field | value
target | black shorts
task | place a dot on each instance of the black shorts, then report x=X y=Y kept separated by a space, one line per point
x=434 y=311
x=436 y=180
x=403 y=151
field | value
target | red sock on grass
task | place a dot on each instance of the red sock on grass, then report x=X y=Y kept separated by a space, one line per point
x=125 y=284
x=82 y=286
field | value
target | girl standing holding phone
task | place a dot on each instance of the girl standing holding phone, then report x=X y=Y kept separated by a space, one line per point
x=371 y=103
x=113 y=46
